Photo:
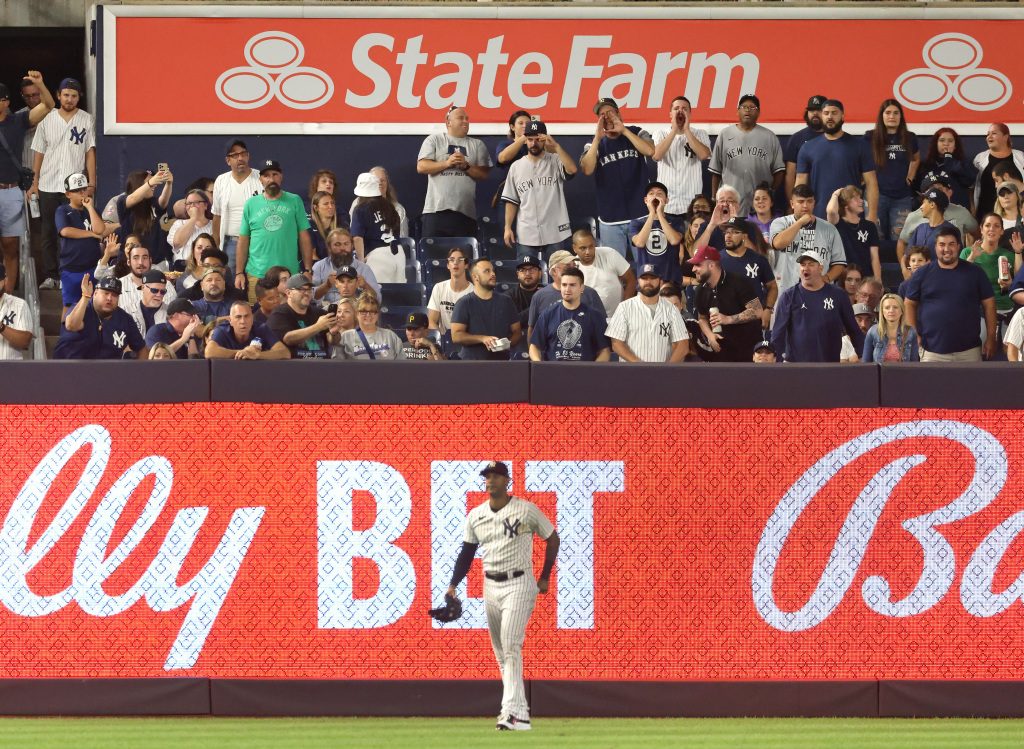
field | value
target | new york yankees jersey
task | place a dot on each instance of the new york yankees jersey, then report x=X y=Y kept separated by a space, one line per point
x=819 y=236
x=505 y=537
x=536 y=186
x=680 y=169
x=648 y=330
x=63 y=145
x=13 y=312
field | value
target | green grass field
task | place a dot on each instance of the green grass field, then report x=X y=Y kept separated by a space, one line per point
x=471 y=733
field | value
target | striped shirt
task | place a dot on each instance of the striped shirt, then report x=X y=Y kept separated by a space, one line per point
x=229 y=198
x=648 y=330
x=505 y=537
x=680 y=169
x=63 y=145
x=13 y=312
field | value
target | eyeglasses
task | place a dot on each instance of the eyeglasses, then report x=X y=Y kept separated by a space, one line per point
x=456 y=260
x=238 y=154
x=749 y=108
x=158 y=292
x=195 y=202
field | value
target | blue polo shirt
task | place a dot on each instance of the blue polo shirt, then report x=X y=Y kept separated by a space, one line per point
x=100 y=339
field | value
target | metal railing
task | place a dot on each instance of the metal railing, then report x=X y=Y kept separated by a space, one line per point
x=30 y=290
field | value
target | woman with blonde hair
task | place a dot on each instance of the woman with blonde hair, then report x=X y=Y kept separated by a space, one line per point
x=860 y=237
x=891 y=339
x=367 y=341
x=161 y=352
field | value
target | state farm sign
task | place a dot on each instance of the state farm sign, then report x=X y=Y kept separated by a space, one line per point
x=390 y=73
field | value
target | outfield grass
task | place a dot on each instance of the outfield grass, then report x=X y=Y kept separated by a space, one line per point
x=470 y=733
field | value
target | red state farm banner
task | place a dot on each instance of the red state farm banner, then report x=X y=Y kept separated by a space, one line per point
x=388 y=73
x=280 y=542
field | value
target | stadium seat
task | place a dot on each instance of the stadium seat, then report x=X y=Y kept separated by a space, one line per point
x=498 y=250
x=436 y=248
x=394 y=317
x=413 y=271
x=505 y=287
x=892 y=276
x=505 y=271
x=402 y=294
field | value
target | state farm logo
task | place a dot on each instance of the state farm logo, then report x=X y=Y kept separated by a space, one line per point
x=274 y=71
x=952 y=72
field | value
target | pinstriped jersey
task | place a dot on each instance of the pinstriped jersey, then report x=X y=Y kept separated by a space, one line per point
x=63 y=145
x=648 y=330
x=505 y=537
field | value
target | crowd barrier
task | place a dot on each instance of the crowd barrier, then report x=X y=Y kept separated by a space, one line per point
x=238 y=538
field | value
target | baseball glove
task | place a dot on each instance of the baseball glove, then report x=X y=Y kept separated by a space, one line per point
x=451 y=610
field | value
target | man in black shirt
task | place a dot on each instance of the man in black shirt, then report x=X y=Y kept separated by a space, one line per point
x=485 y=324
x=728 y=308
x=529 y=274
x=303 y=329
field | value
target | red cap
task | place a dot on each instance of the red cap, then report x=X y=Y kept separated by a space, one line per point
x=705 y=253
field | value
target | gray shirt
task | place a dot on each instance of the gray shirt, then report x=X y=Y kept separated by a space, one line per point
x=745 y=159
x=536 y=187
x=820 y=236
x=452 y=189
x=385 y=344
x=957 y=215
x=323 y=268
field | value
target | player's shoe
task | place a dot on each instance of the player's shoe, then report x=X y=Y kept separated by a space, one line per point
x=512 y=723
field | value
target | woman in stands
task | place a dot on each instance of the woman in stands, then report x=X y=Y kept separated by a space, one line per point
x=368 y=341
x=161 y=352
x=375 y=227
x=388 y=191
x=850 y=281
x=946 y=154
x=513 y=147
x=891 y=339
x=1008 y=207
x=761 y=210
x=139 y=209
x=897 y=160
x=194 y=265
x=323 y=180
x=323 y=219
x=1000 y=150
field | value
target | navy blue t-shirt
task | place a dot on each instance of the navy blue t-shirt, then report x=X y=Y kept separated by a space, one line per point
x=809 y=325
x=962 y=174
x=620 y=178
x=570 y=334
x=831 y=164
x=13 y=126
x=502 y=145
x=225 y=337
x=100 y=339
x=164 y=333
x=858 y=239
x=949 y=305
x=797 y=139
x=752 y=266
x=76 y=255
x=892 y=176
x=494 y=316
x=209 y=311
x=658 y=252
x=154 y=239
x=369 y=225
x=924 y=235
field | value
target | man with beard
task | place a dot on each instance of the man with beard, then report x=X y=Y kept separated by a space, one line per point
x=96 y=328
x=485 y=324
x=746 y=154
x=726 y=303
x=739 y=259
x=274 y=224
x=528 y=272
x=241 y=338
x=179 y=332
x=812 y=316
x=799 y=232
x=604 y=270
x=836 y=160
x=647 y=328
x=812 y=116
x=570 y=331
x=230 y=192
x=680 y=150
x=328 y=286
x=217 y=260
x=139 y=263
x=306 y=331
x=534 y=195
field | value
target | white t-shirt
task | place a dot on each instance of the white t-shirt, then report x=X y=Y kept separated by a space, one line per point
x=603 y=277
x=229 y=199
x=182 y=252
x=442 y=301
x=14 y=312
x=505 y=537
x=1014 y=331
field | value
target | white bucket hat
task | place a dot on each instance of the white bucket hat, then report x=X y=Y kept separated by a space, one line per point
x=367 y=185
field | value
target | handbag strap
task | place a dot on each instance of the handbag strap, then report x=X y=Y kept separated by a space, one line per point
x=366 y=343
x=7 y=149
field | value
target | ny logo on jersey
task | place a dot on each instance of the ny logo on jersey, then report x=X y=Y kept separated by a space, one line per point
x=862 y=236
x=829 y=304
x=892 y=156
x=665 y=329
x=120 y=339
x=752 y=270
x=512 y=529
x=688 y=151
x=9 y=318
x=78 y=136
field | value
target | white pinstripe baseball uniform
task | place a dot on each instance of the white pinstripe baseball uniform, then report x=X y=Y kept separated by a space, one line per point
x=648 y=330
x=505 y=540
x=680 y=169
x=63 y=145
x=13 y=312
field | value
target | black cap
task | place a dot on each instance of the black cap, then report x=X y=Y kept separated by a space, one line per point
x=4 y=92
x=270 y=165
x=937 y=177
x=535 y=127
x=416 y=320
x=496 y=466
x=939 y=198
x=763 y=344
x=652 y=185
x=531 y=260
x=180 y=304
x=154 y=276
x=214 y=252
x=737 y=223
x=602 y=102
x=109 y=283
x=348 y=271
x=234 y=142
x=750 y=97
x=816 y=102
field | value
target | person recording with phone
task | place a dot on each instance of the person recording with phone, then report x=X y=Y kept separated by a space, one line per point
x=146 y=197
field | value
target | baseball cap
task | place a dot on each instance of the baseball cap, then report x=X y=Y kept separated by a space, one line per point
x=816 y=102
x=154 y=276
x=70 y=83
x=298 y=281
x=862 y=309
x=655 y=185
x=560 y=256
x=737 y=224
x=4 y=92
x=750 y=97
x=208 y=271
x=416 y=320
x=833 y=103
x=76 y=181
x=940 y=198
x=536 y=127
x=531 y=260
x=647 y=270
x=109 y=283
x=180 y=305
x=271 y=165
x=232 y=143
x=602 y=102
x=763 y=344
x=345 y=270
x=1007 y=186
x=938 y=177
x=367 y=186
x=705 y=253
x=495 y=466
x=811 y=255
x=213 y=252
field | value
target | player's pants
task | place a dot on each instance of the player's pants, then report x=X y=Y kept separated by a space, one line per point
x=509 y=605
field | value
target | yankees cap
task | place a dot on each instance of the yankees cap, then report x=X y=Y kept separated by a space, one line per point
x=109 y=283
x=603 y=102
x=530 y=260
x=76 y=181
x=862 y=309
x=346 y=270
x=535 y=127
x=180 y=305
x=496 y=466
x=271 y=165
x=647 y=270
x=763 y=344
x=938 y=197
x=737 y=223
x=938 y=177
x=811 y=255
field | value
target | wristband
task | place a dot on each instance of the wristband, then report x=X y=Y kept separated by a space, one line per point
x=240 y=273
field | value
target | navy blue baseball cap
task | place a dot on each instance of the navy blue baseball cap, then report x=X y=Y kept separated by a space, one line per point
x=762 y=344
x=531 y=260
x=109 y=283
x=647 y=270
x=496 y=466
x=535 y=127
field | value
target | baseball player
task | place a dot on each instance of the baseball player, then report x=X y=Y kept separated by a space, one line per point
x=504 y=526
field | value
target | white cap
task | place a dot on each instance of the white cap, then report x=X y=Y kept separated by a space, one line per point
x=76 y=181
x=367 y=185
x=812 y=255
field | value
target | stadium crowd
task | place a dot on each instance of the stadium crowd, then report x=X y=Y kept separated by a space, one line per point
x=234 y=266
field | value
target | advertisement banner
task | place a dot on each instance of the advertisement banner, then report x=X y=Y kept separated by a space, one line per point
x=253 y=541
x=397 y=70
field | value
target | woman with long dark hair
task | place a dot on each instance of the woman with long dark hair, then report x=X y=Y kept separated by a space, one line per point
x=946 y=154
x=375 y=227
x=138 y=211
x=1000 y=151
x=897 y=160
x=513 y=147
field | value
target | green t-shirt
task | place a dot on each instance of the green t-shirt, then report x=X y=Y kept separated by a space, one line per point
x=990 y=264
x=273 y=228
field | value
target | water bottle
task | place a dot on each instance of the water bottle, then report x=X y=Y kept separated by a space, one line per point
x=33 y=206
x=716 y=328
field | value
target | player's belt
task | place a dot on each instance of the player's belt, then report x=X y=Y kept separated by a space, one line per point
x=500 y=577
